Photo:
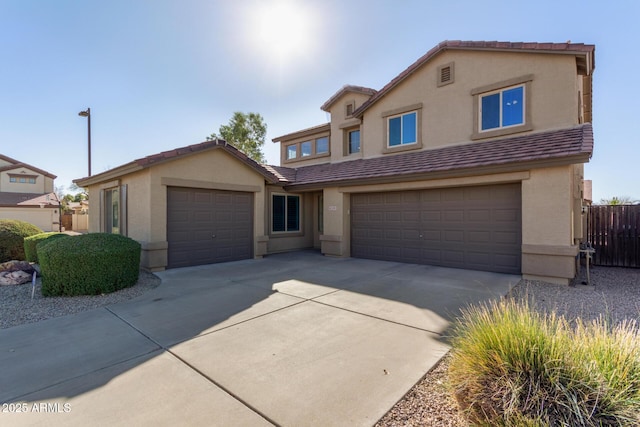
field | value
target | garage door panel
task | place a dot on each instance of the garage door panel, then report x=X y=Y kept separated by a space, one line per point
x=507 y=215
x=467 y=227
x=453 y=216
x=208 y=226
x=478 y=237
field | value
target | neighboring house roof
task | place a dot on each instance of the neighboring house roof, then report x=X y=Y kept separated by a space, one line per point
x=563 y=146
x=177 y=153
x=18 y=164
x=28 y=199
x=584 y=53
x=346 y=89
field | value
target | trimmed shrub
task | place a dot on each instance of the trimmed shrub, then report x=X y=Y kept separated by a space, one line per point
x=31 y=243
x=12 y=234
x=89 y=264
x=514 y=367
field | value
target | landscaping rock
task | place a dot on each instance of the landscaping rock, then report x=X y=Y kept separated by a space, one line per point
x=16 y=266
x=14 y=278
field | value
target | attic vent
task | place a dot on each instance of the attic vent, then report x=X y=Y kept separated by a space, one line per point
x=445 y=74
x=350 y=108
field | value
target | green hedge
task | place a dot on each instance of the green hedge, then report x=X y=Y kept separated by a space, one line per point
x=31 y=242
x=12 y=234
x=89 y=264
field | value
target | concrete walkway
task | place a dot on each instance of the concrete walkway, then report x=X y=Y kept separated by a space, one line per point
x=295 y=339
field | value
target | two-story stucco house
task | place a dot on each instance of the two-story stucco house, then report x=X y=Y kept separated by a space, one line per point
x=26 y=193
x=472 y=157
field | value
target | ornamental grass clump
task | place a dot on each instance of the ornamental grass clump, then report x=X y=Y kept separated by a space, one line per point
x=512 y=366
x=89 y=264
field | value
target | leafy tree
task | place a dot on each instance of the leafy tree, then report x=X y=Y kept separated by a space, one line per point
x=246 y=132
x=614 y=201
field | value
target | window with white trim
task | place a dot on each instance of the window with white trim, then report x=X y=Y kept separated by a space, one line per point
x=502 y=108
x=402 y=129
x=285 y=213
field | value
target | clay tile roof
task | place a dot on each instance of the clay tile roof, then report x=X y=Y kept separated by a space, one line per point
x=579 y=49
x=564 y=145
x=170 y=155
x=218 y=143
x=284 y=174
x=345 y=89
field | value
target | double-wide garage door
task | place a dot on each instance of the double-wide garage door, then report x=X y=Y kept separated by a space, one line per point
x=475 y=228
x=208 y=226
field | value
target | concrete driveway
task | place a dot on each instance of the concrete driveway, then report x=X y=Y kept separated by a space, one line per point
x=295 y=339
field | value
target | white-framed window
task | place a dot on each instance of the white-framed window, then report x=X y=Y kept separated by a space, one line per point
x=285 y=213
x=13 y=179
x=402 y=129
x=502 y=108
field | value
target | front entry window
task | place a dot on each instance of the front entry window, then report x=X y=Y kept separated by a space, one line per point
x=285 y=213
x=112 y=211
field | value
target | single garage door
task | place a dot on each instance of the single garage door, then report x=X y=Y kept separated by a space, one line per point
x=208 y=226
x=475 y=228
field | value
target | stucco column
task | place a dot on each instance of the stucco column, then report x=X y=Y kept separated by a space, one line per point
x=335 y=240
x=548 y=249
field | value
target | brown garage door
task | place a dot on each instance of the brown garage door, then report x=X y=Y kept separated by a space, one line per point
x=468 y=227
x=208 y=226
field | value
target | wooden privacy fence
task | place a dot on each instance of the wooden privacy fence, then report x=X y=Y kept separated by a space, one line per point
x=614 y=232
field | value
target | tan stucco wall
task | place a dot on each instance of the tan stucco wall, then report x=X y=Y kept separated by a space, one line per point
x=549 y=226
x=46 y=219
x=147 y=197
x=43 y=184
x=448 y=111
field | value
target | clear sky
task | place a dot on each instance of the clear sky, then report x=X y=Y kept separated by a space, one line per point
x=162 y=74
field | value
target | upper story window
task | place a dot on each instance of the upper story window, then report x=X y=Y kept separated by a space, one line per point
x=292 y=151
x=307 y=149
x=402 y=129
x=502 y=108
x=22 y=179
x=353 y=141
x=322 y=145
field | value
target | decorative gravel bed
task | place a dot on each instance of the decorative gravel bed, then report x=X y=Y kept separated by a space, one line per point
x=17 y=307
x=614 y=294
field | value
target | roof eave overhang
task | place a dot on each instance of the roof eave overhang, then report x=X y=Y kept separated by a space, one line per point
x=109 y=175
x=449 y=173
x=136 y=166
x=303 y=133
